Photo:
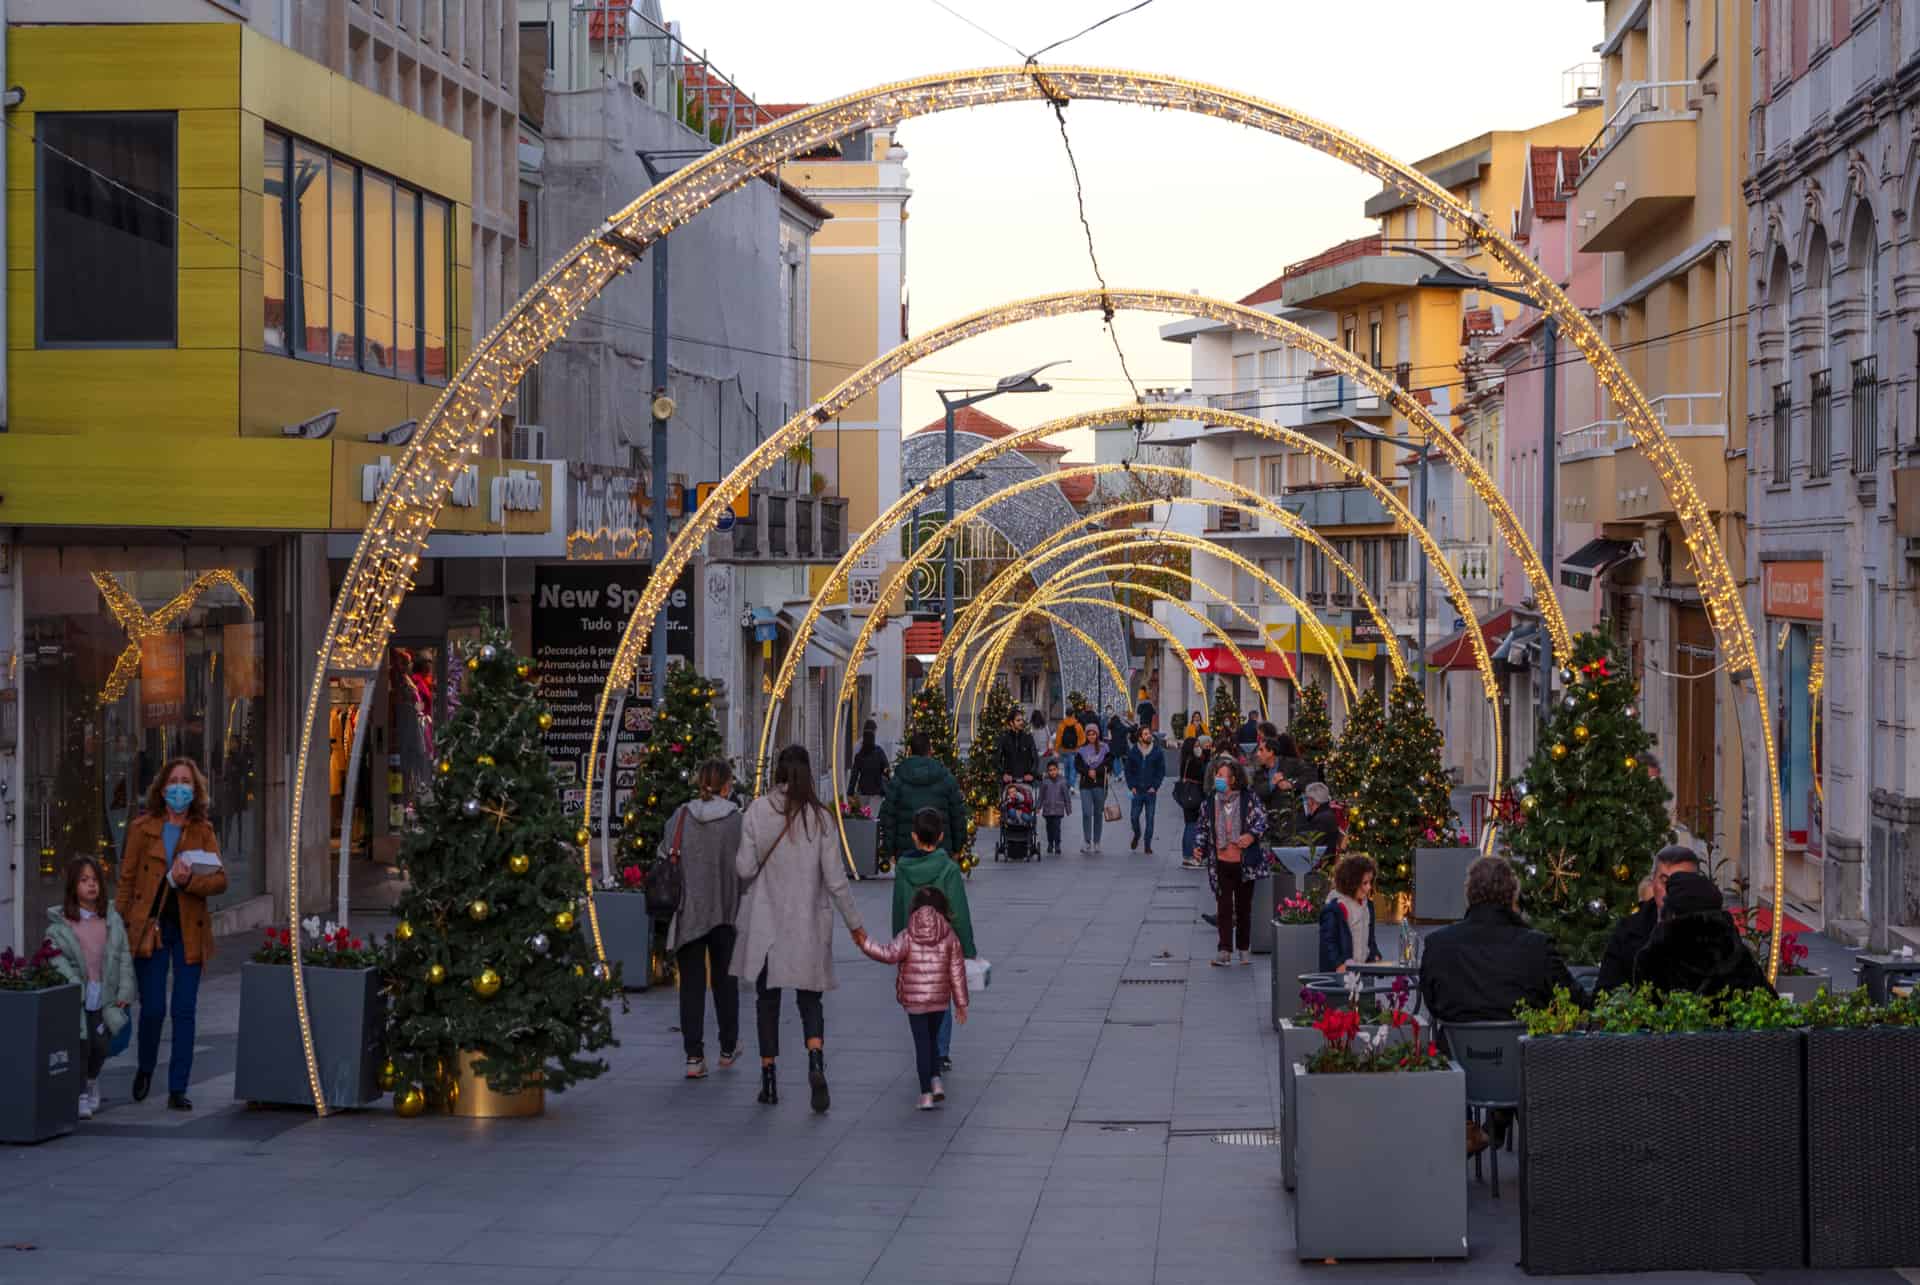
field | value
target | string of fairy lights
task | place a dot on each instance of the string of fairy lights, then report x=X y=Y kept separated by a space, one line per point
x=383 y=564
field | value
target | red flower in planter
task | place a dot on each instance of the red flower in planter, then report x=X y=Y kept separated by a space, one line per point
x=631 y=876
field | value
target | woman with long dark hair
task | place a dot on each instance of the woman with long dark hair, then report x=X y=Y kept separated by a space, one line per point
x=794 y=877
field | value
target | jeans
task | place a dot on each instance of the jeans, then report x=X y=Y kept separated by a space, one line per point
x=98 y=1043
x=926 y=1033
x=1070 y=767
x=1233 y=898
x=943 y=1038
x=151 y=973
x=1189 y=836
x=1146 y=803
x=1053 y=832
x=715 y=948
x=1093 y=812
x=813 y=1018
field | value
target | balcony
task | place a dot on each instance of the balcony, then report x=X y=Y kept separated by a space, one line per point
x=1225 y=617
x=1640 y=170
x=1352 y=272
x=785 y=526
x=1337 y=506
x=1604 y=478
x=1280 y=404
x=1328 y=396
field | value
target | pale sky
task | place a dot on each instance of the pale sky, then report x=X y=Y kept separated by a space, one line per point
x=1176 y=201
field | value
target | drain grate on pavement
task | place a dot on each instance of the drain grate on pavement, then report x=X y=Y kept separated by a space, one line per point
x=1248 y=1138
x=1153 y=981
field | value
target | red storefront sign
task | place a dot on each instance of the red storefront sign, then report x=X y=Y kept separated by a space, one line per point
x=1218 y=660
x=1794 y=590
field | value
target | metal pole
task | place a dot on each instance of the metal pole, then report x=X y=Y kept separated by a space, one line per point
x=1299 y=623
x=1426 y=454
x=657 y=527
x=946 y=593
x=1548 y=502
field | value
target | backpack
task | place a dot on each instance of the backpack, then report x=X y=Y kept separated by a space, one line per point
x=1070 y=735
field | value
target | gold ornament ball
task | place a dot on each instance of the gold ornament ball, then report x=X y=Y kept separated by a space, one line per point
x=653 y=798
x=478 y=909
x=579 y=971
x=1630 y=762
x=436 y=973
x=583 y=836
x=545 y=720
x=487 y=984
x=444 y=766
x=405 y=931
x=484 y=760
x=1403 y=869
x=473 y=664
x=1529 y=803
x=1593 y=696
x=1622 y=873
x=629 y=818
x=1559 y=750
x=410 y=1103
x=1580 y=732
x=519 y=863
x=524 y=669
x=389 y=1077
x=564 y=921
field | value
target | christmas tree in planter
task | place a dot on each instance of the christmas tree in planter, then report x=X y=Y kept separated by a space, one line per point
x=929 y=715
x=1312 y=728
x=1593 y=808
x=1347 y=765
x=981 y=784
x=1398 y=795
x=684 y=734
x=1224 y=720
x=490 y=956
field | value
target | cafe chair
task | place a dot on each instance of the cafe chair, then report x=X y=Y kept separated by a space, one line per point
x=1489 y=1054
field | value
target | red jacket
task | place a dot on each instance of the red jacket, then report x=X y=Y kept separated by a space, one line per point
x=933 y=970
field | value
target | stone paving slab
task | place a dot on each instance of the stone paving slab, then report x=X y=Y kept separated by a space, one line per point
x=1077 y=1143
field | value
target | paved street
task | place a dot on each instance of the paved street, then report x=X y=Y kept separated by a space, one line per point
x=1078 y=1142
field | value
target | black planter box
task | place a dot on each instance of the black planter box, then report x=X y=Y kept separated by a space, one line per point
x=626 y=931
x=348 y=1015
x=1863 y=1147
x=1665 y=1152
x=45 y=1065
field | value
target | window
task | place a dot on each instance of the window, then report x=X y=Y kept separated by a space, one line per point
x=1820 y=424
x=1370 y=565
x=1373 y=343
x=105 y=210
x=1347 y=331
x=1275 y=469
x=1270 y=366
x=360 y=272
x=1782 y=432
x=1398 y=552
x=1864 y=411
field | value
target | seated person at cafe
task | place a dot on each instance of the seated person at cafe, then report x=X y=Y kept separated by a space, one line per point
x=1478 y=969
x=1631 y=933
x=1695 y=946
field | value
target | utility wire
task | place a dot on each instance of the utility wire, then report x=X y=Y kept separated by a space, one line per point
x=997 y=39
x=1064 y=40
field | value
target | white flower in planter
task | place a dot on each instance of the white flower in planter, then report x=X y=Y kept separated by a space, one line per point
x=312 y=925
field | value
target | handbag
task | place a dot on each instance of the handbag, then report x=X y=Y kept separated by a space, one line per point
x=1113 y=812
x=665 y=885
x=1188 y=794
x=979 y=975
x=149 y=943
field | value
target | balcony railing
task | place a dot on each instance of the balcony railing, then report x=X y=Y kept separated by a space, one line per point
x=1220 y=518
x=1241 y=399
x=1580 y=85
x=1783 y=432
x=1820 y=424
x=1864 y=412
x=784 y=526
x=1681 y=414
x=1636 y=100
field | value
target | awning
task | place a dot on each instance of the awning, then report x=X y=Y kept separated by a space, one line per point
x=1457 y=653
x=1520 y=649
x=828 y=647
x=1579 y=569
x=1218 y=660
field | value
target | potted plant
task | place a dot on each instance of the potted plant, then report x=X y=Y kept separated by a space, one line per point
x=1861 y=1061
x=1440 y=874
x=1296 y=950
x=1615 y=1106
x=1300 y=1037
x=1369 y=1107
x=346 y=1011
x=1794 y=979
x=863 y=836
x=626 y=929
x=45 y=1067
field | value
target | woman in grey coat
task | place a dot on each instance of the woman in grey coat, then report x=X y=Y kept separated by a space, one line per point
x=791 y=867
x=706 y=830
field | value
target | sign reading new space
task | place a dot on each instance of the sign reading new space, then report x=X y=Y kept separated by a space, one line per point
x=580 y=612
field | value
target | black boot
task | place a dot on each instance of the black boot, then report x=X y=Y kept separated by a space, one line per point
x=817 y=1078
x=769 y=1089
x=142 y=1082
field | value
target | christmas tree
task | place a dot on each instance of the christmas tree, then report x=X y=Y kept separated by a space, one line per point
x=981 y=784
x=929 y=715
x=489 y=955
x=1225 y=718
x=1398 y=795
x=1593 y=809
x=1311 y=728
x=684 y=735
x=1347 y=764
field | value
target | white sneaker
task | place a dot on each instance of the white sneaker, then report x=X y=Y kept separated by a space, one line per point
x=86 y=1106
x=939 y=1090
x=926 y=1102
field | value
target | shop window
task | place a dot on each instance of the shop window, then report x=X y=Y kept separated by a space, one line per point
x=107 y=254
x=1800 y=655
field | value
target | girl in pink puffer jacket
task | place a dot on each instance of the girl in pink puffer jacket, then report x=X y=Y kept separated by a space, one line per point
x=933 y=974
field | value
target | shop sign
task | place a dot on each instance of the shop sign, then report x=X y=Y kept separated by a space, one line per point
x=1794 y=590
x=516 y=493
x=579 y=616
x=1218 y=660
x=609 y=513
x=1364 y=628
x=163 y=679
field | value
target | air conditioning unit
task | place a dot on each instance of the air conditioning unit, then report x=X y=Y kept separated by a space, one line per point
x=529 y=442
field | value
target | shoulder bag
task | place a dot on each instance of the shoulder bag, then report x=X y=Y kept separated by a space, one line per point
x=665 y=883
x=149 y=943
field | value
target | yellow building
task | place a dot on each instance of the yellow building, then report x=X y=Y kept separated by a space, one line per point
x=227 y=268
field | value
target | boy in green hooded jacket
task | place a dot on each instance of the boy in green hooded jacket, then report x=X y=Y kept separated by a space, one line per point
x=930 y=866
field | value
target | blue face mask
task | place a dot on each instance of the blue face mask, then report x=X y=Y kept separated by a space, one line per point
x=178 y=797
x=1220 y=784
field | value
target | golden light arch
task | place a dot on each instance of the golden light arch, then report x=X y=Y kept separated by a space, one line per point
x=381 y=569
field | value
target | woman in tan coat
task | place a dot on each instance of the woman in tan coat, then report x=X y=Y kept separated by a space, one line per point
x=170 y=866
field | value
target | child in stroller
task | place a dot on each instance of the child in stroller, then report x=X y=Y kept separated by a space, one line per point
x=1016 y=824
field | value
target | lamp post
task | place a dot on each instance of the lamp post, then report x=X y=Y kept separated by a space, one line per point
x=1422 y=453
x=955 y=399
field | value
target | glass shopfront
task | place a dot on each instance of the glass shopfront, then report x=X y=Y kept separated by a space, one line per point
x=133 y=656
x=1795 y=602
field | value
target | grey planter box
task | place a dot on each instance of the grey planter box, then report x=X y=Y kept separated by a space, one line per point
x=626 y=930
x=863 y=843
x=1803 y=988
x=1296 y=950
x=1297 y=1043
x=348 y=1015
x=46 y=1064
x=1365 y=1139
x=1440 y=882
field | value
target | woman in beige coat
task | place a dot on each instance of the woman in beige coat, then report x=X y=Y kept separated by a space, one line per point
x=791 y=868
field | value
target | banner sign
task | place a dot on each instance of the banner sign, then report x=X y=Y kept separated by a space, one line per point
x=1218 y=660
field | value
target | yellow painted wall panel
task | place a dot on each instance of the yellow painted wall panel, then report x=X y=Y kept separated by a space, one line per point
x=843 y=233
x=462 y=234
x=421 y=399
x=438 y=160
x=377 y=131
x=210 y=227
x=853 y=209
x=159 y=391
x=287 y=90
x=280 y=485
x=253 y=153
x=860 y=478
x=21 y=323
x=276 y=390
x=21 y=212
x=253 y=308
x=209 y=148
x=209 y=314
x=20 y=151
x=136 y=67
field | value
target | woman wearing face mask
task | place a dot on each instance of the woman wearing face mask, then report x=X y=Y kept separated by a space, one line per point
x=1094 y=766
x=1231 y=823
x=170 y=866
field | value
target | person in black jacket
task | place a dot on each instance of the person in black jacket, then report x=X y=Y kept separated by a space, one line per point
x=1695 y=946
x=1315 y=825
x=1630 y=935
x=869 y=770
x=1019 y=761
x=1478 y=969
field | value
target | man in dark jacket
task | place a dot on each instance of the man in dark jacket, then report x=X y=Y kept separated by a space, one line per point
x=1695 y=946
x=921 y=781
x=1018 y=759
x=1315 y=825
x=1145 y=768
x=1478 y=969
x=1633 y=932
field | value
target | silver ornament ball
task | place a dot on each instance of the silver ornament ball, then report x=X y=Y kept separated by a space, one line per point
x=487 y=653
x=1533 y=871
x=600 y=973
x=1597 y=906
x=537 y=943
x=471 y=807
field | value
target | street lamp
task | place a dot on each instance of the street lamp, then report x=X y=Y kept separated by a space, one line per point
x=954 y=399
x=1446 y=276
x=1423 y=453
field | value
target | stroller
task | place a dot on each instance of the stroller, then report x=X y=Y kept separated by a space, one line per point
x=1016 y=825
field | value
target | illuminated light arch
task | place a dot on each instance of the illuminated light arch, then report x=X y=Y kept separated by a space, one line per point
x=381 y=569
